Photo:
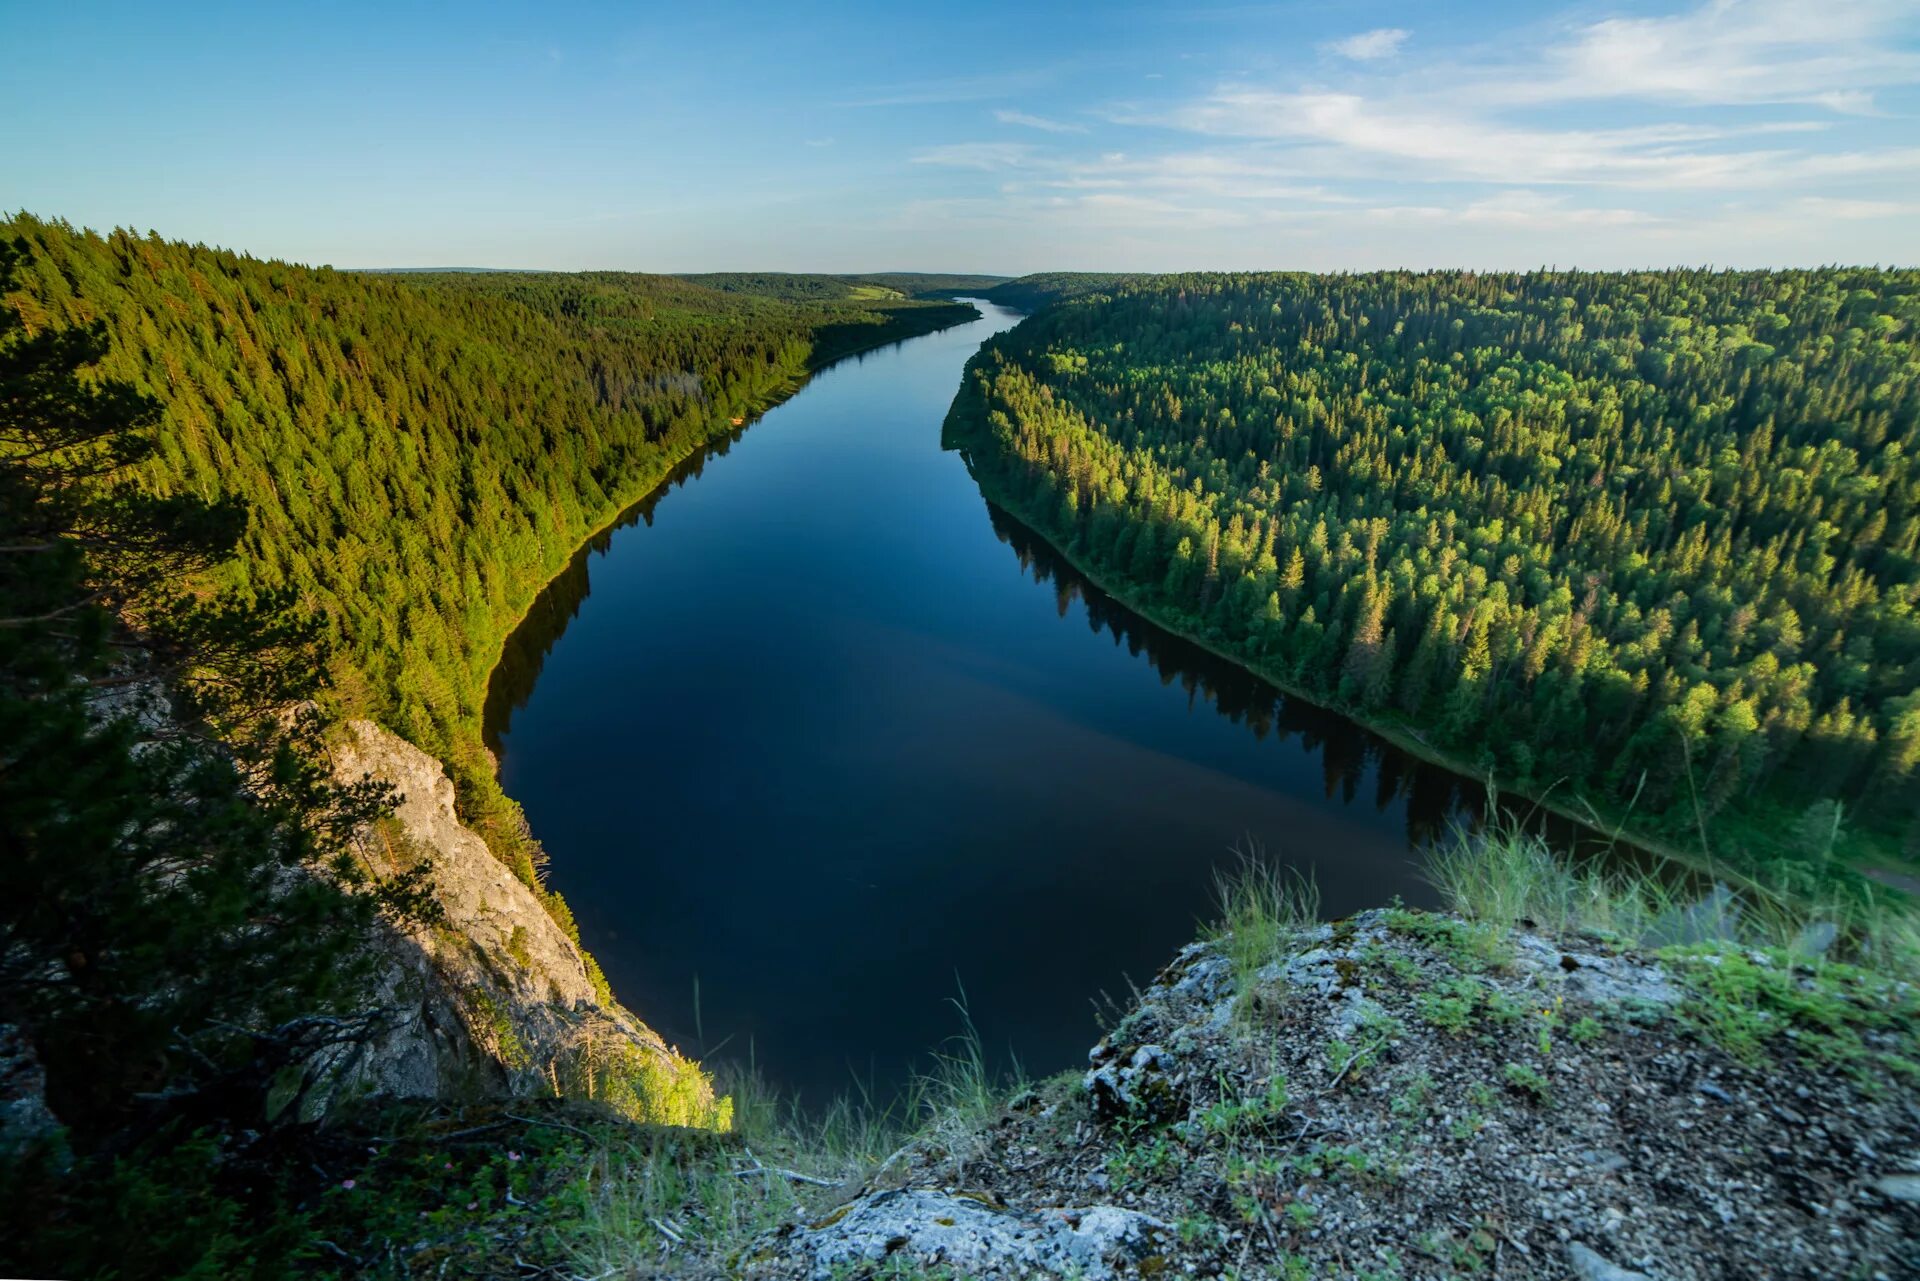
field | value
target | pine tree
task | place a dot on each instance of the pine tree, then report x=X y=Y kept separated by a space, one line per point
x=138 y=866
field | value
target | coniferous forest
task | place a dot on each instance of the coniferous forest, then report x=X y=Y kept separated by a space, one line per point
x=421 y=452
x=1646 y=545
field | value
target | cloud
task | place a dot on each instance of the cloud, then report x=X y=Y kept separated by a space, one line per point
x=1214 y=175
x=1494 y=119
x=1730 y=129
x=1528 y=210
x=1854 y=210
x=1828 y=53
x=976 y=155
x=1382 y=42
x=1354 y=136
x=1037 y=122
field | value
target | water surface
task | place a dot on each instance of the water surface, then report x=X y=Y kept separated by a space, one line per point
x=816 y=739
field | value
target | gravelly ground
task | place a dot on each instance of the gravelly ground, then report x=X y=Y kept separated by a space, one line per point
x=1409 y=1096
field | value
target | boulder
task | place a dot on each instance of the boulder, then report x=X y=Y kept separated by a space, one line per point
x=975 y=1237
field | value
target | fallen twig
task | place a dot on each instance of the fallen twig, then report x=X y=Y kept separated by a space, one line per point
x=554 y=1125
x=784 y=1173
x=1351 y=1063
x=467 y=1133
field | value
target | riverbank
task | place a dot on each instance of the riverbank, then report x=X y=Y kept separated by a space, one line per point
x=1610 y=830
x=472 y=765
x=728 y=428
x=831 y=590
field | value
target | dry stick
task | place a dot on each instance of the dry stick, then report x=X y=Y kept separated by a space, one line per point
x=1350 y=1066
x=353 y=1259
x=553 y=1125
x=795 y=1175
x=467 y=1133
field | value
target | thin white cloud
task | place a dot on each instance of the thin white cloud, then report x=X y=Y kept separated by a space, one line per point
x=1727 y=130
x=1491 y=120
x=1041 y=123
x=1528 y=210
x=1855 y=210
x=1427 y=139
x=1369 y=46
x=1215 y=175
x=976 y=155
x=1829 y=53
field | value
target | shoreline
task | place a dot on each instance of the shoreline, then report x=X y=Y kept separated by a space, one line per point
x=724 y=428
x=1399 y=735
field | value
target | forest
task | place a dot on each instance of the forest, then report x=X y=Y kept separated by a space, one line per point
x=1644 y=545
x=421 y=452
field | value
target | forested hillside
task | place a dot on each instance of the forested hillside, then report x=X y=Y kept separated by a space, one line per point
x=1044 y=288
x=421 y=452
x=1646 y=544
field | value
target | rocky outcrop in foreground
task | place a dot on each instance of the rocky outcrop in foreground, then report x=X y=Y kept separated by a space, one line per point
x=497 y=999
x=1404 y=1094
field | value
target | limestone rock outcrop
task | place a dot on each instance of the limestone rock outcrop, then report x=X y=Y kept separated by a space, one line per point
x=497 y=998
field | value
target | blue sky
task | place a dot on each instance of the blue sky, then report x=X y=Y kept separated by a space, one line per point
x=1005 y=137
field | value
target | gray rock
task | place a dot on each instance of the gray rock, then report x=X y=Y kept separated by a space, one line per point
x=498 y=998
x=1207 y=976
x=1141 y=1087
x=1815 y=939
x=974 y=1238
x=1315 y=970
x=1590 y=1266
x=1898 y=1187
x=1609 y=980
x=1713 y=918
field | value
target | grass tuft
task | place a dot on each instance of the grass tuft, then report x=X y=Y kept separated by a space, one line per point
x=1504 y=875
x=1261 y=904
x=960 y=1090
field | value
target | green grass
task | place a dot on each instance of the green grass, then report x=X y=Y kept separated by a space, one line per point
x=1759 y=1003
x=1505 y=875
x=1257 y=1114
x=1527 y=1080
x=1755 y=992
x=1473 y=947
x=1261 y=905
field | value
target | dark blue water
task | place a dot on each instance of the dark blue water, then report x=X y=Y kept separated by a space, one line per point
x=816 y=738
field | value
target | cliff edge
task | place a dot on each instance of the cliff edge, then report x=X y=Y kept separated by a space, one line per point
x=1411 y=1094
x=496 y=998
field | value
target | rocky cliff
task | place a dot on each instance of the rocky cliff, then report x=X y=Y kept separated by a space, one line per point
x=496 y=999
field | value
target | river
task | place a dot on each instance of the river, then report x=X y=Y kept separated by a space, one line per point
x=817 y=741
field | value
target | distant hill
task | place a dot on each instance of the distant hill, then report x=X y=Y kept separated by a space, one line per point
x=1043 y=289
x=790 y=286
x=464 y=271
x=928 y=284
